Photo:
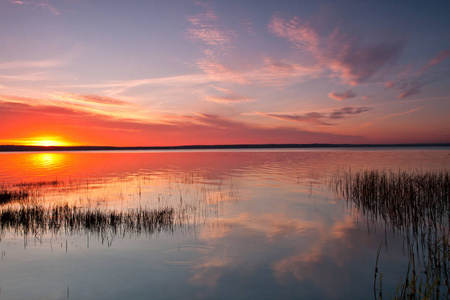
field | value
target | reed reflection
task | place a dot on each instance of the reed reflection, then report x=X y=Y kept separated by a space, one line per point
x=175 y=203
x=417 y=205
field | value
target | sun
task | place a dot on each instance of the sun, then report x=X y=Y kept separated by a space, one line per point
x=45 y=141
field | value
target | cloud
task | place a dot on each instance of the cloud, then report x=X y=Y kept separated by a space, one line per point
x=312 y=117
x=226 y=96
x=343 y=95
x=281 y=73
x=49 y=7
x=345 y=111
x=228 y=99
x=390 y=84
x=95 y=99
x=441 y=56
x=369 y=96
x=30 y=64
x=20 y=117
x=36 y=3
x=409 y=89
x=205 y=29
x=319 y=118
x=438 y=58
x=410 y=83
x=391 y=116
x=220 y=72
x=346 y=57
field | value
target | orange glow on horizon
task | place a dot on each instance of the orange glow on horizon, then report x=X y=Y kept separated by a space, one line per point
x=45 y=141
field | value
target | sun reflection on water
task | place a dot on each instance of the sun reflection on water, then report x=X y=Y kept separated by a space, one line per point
x=47 y=160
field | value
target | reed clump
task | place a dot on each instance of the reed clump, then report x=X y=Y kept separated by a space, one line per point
x=9 y=195
x=416 y=204
x=35 y=219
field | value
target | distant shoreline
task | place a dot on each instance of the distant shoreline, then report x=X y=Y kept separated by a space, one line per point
x=18 y=148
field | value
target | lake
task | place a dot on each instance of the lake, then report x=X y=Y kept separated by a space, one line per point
x=242 y=224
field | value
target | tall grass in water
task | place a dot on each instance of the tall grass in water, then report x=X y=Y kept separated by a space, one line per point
x=418 y=205
x=23 y=191
x=37 y=220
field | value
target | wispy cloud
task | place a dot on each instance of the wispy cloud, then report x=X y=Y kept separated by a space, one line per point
x=410 y=82
x=311 y=117
x=342 y=95
x=120 y=129
x=36 y=3
x=319 y=118
x=438 y=58
x=30 y=64
x=220 y=72
x=369 y=96
x=346 y=57
x=410 y=88
x=90 y=99
x=205 y=29
x=115 y=87
x=347 y=111
x=226 y=96
x=391 y=116
x=228 y=99
x=83 y=104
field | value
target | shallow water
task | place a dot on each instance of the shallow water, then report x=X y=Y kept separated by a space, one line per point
x=247 y=225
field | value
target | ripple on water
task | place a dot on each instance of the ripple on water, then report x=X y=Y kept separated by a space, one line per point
x=185 y=254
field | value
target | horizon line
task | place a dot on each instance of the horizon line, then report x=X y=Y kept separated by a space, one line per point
x=24 y=148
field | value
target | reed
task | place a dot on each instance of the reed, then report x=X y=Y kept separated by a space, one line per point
x=9 y=195
x=30 y=219
x=417 y=204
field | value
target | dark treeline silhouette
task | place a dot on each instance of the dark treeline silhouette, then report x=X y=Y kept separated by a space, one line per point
x=18 y=148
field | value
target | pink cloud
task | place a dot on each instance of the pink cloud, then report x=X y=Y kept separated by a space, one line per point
x=409 y=88
x=440 y=57
x=95 y=99
x=369 y=96
x=347 y=57
x=50 y=8
x=220 y=72
x=342 y=95
x=229 y=99
x=42 y=4
x=389 y=84
x=281 y=73
x=206 y=30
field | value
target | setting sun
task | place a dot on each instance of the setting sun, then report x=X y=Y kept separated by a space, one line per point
x=45 y=141
x=48 y=143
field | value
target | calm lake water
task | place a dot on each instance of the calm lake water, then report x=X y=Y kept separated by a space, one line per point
x=262 y=224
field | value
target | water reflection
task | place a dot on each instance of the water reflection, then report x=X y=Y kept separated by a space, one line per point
x=242 y=225
x=418 y=206
x=47 y=160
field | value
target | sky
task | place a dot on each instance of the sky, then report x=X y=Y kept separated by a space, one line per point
x=165 y=73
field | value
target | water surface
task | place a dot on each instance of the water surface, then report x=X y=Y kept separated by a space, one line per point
x=246 y=225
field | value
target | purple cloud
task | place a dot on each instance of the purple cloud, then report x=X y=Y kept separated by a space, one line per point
x=347 y=57
x=319 y=118
x=343 y=95
x=409 y=89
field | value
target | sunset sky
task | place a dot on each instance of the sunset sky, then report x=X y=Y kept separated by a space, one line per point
x=162 y=73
